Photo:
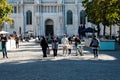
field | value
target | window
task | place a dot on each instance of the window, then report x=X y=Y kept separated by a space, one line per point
x=52 y=9
x=82 y=17
x=14 y=9
x=29 y=17
x=69 y=17
x=19 y=9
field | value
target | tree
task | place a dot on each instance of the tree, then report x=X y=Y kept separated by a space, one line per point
x=5 y=11
x=92 y=13
x=106 y=12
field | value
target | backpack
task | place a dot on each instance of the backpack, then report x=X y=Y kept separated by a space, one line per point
x=94 y=43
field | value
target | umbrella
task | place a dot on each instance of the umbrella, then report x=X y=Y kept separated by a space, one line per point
x=3 y=32
x=89 y=29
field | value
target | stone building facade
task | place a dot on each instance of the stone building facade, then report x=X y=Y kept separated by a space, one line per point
x=44 y=17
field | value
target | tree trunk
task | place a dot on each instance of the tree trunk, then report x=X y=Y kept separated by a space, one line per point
x=110 y=32
x=119 y=36
x=104 y=31
x=98 y=32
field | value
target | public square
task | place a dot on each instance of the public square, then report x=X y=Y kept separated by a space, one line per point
x=89 y=25
x=27 y=63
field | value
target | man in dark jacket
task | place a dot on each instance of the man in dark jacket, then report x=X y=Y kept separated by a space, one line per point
x=44 y=46
x=95 y=44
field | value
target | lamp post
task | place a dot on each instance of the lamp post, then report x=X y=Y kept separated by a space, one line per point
x=39 y=23
x=24 y=16
x=64 y=22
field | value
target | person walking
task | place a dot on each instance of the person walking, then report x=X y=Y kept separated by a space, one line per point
x=55 y=46
x=44 y=46
x=17 y=41
x=95 y=44
x=64 y=42
x=3 y=44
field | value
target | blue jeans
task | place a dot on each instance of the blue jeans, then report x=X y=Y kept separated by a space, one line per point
x=4 y=51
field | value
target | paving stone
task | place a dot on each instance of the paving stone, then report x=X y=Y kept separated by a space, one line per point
x=27 y=63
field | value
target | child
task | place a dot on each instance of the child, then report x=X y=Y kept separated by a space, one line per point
x=80 y=48
x=69 y=47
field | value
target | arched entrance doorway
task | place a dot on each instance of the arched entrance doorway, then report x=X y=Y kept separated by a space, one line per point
x=49 y=27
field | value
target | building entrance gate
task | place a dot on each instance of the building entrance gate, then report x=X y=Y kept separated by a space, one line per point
x=49 y=27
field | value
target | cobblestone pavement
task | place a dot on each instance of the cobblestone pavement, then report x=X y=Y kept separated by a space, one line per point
x=26 y=63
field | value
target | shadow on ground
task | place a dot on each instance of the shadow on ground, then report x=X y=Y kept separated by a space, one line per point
x=64 y=69
x=61 y=68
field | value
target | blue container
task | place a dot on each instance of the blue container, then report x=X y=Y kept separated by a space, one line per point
x=107 y=45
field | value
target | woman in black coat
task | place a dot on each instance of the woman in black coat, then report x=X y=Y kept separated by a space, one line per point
x=44 y=46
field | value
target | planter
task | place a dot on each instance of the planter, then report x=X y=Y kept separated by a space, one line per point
x=107 y=45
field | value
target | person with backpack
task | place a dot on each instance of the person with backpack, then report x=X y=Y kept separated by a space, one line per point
x=95 y=44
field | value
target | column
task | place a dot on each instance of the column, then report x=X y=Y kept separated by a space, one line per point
x=44 y=8
x=17 y=8
x=57 y=8
x=50 y=8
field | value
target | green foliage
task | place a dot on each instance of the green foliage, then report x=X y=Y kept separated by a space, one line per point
x=5 y=11
x=103 y=11
x=106 y=12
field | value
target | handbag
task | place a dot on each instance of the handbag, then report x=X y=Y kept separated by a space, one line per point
x=48 y=51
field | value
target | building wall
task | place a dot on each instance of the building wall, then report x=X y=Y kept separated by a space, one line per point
x=58 y=17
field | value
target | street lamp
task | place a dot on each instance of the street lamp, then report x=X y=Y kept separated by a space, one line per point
x=24 y=18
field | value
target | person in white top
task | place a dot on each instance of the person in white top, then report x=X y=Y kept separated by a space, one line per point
x=64 y=42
